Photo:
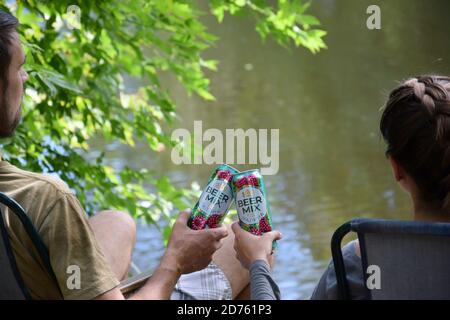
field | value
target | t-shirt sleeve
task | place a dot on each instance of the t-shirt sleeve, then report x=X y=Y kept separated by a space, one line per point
x=262 y=285
x=327 y=288
x=81 y=269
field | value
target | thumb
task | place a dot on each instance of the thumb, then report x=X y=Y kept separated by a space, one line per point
x=236 y=228
x=184 y=215
x=273 y=235
x=219 y=232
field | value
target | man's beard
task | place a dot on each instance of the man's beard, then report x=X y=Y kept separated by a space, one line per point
x=7 y=125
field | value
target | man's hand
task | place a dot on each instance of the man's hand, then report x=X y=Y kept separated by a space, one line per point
x=250 y=248
x=191 y=250
x=188 y=251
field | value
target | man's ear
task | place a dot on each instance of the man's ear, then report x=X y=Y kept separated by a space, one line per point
x=397 y=170
x=1 y=94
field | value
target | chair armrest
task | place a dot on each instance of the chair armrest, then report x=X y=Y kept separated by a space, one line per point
x=131 y=284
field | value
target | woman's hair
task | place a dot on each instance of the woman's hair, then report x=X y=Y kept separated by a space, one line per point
x=416 y=127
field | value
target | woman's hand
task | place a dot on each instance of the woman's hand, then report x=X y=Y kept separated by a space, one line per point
x=250 y=248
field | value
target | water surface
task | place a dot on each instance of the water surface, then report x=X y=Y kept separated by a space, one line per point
x=332 y=164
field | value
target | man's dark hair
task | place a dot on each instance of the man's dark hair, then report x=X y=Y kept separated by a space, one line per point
x=8 y=25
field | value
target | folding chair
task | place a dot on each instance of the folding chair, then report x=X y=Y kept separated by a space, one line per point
x=12 y=286
x=413 y=258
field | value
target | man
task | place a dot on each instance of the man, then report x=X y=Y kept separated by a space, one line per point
x=100 y=247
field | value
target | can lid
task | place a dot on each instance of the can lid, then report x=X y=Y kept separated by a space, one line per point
x=250 y=170
x=231 y=167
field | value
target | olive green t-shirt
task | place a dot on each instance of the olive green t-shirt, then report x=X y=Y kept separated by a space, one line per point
x=63 y=225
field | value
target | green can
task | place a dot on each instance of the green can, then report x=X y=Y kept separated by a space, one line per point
x=215 y=200
x=252 y=206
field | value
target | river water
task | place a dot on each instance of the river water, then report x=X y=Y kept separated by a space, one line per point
x=327 y=108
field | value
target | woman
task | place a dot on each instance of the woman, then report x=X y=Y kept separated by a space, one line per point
x=416 y=127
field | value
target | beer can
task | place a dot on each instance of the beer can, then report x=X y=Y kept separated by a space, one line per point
x=215 y=199
x=252 y=206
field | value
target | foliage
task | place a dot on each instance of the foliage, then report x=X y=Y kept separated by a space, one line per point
x=77 y=88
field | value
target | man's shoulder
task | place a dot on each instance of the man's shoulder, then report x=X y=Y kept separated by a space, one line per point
x=38 y=193
x=41 y=181
x=32 y=190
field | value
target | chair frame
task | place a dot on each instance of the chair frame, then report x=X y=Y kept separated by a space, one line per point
x=364 y=225
x=34 y=236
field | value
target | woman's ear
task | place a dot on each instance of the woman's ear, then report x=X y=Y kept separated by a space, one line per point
x=402 y=177
x=397 y=170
